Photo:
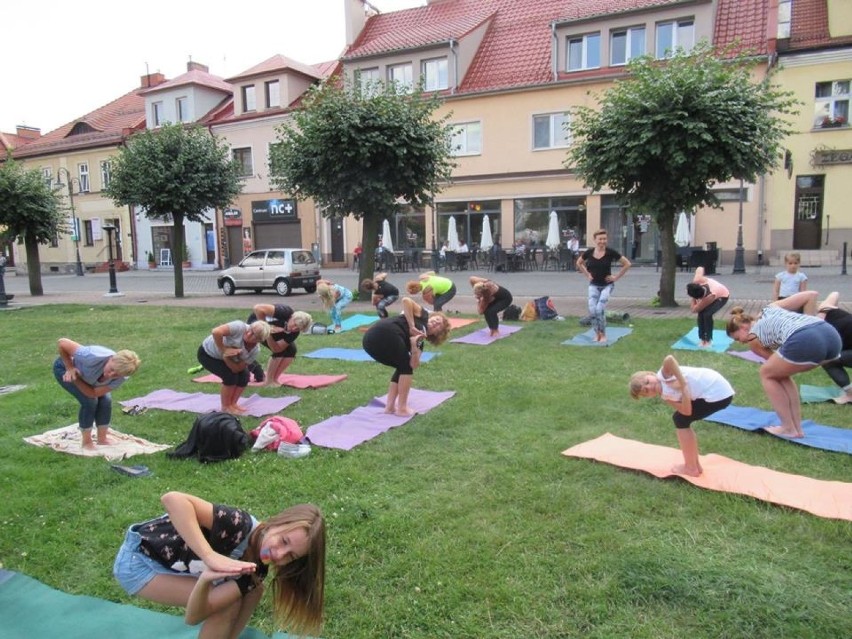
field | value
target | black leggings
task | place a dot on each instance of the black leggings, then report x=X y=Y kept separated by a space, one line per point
x=836 y=368
x=440 y=300
x=705 y=319
x=499 y=304
x=388 y=348
x=220 y=368
x=700 y=410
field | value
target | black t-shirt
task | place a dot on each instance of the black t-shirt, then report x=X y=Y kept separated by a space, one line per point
x=842 y=321
x=600 y=268
x=279 y=319
x=400 y=326
x=386 y=289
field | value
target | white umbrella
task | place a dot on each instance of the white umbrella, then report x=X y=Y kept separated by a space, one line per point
x=485 y=243
x=387 y=241
x=682 y=231
x=452 y=235
x=692 y=230
x=552 y=242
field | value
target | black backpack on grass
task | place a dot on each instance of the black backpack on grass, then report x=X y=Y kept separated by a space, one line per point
x=512 y=313
x=214 y=437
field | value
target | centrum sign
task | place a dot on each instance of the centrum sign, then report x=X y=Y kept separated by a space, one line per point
x=273 y=210
x=832 y=156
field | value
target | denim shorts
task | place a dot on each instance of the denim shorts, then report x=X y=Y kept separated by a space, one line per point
x=812 y=345
x=133 y=569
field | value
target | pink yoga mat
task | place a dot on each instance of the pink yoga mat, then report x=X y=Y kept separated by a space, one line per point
x=347 y=431
x=166 y=399
x=286 y=379
x=830 y=499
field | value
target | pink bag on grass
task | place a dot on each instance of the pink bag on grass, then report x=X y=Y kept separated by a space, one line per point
x=275 y=430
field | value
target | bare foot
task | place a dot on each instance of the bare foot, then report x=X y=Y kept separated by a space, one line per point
x=495 y=333
x=704 y=344
x=602 y=338
x=106 y=441
x=846 y=398
x=235 y=410
x=89 y=445
x=683 y=469
x=783 y=431
x=404 y=412
x=390 y=410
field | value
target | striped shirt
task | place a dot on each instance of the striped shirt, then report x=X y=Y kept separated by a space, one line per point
x=777 y=324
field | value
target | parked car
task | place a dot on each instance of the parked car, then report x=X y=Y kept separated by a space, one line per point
x=281 y=269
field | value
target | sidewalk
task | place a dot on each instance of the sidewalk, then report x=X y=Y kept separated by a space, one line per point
x=633 y=294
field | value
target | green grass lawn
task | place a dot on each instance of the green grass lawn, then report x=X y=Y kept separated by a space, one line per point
x=467 y=522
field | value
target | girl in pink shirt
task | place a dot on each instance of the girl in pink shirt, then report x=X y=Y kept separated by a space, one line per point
x=708 y=296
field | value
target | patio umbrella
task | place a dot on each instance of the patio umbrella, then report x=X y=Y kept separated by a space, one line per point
x=692 y=230
x=552 y=242
x=387 y=241
x=682 y=231
x=452 y=235
x=485 y=243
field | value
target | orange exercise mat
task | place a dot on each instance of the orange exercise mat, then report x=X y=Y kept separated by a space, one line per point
x=830 y=499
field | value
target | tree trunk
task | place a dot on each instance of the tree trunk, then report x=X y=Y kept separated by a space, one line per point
x=33 y=265
x=665 y=222
x=369 y=242
x=178 y=240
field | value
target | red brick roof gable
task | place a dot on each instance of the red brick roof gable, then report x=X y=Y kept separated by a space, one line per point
x=279 y=63
x=194 y=77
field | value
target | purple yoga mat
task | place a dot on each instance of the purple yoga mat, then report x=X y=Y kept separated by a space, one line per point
x=365 y=422
x=482 y=337
x=166 y=399
x=749 y=356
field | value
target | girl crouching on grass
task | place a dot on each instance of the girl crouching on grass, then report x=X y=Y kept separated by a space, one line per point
x=694 y=393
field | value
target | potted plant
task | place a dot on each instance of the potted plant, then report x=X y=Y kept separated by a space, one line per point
x=830 y=122
x=151 y=263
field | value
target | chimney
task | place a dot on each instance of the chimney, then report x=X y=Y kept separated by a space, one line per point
x=28 y=132
x=197 y=66
x=151 y=80
x=355 y=17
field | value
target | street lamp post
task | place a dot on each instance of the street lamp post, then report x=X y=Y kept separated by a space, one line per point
x=113 y=287
x=76 y=222
x=739 y=253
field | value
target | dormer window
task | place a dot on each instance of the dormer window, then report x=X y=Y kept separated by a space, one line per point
x=249 y=102
x=401 y=75
x=273 y=94
x=435 y=74
x=584 y=52
x=626 y=44
x=677 y=34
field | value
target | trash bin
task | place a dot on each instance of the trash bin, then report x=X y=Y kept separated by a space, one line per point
x=705 y=258
x=315 y=250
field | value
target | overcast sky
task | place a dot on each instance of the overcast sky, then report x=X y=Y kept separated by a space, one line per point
x=61 y=60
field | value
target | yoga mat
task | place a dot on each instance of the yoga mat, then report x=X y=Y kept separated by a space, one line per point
x=354 y=355
x=67 y=440
x=165 y=399
x=829 y=499
x=817 y=394
x=689 y=342
x=748 y=356
x=365 y=422
x=357 y=320
x=30 y=609
x=483 y=337
x=459 y=322
x=5 y=390
x=286 y=379
x=816 y=435
x=588 y=338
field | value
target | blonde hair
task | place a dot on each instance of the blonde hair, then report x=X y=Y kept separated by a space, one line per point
x=793 y=257
x=441 y=336
x=125 y=363
x=302 y=319
x=325 y=294
x=480 y=288
x=739 y=318
x=599 y=232
x=298 y=587
x=637 y=381
x=260 y=330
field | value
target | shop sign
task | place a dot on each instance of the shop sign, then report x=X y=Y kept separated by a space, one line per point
x=232 y=217
x=832 y=156
x=273 y=210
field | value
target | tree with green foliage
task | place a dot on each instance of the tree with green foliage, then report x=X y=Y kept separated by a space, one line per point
x=361 y=151
x=176 y=171
x=29 y=211
x=665 y=135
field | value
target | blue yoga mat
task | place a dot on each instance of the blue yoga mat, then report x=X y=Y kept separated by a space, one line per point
x=816 y=435
x=353 y=354
x=689 y=342
x=588 y=338
x=356 y=321
x=30 y=608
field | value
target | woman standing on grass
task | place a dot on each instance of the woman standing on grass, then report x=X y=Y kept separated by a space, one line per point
x=285 y=325
x=491 y=299
x=383 y=293
x=791 y=343
x=334 y=299
x=228 y=352
x=212 y=560
x=707 y=296
x=596 y=264
x=90 y=373
x=435 y=290
x=398 y=342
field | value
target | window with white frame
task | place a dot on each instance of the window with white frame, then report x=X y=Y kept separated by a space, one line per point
x=105 y=173
x=47 y=176
x=249 y=101
x=467 y=138
x=435 y=74
x=785 y=14
x=676 y=34
x=831 y=106
x=243 y=157
x=83 y=176
x=584 y=52
x=550 y=130
x=273 y=94
x=369 y=80
x=182 y=109
x=157 y=113
x=626 y=44
x=402 y=75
